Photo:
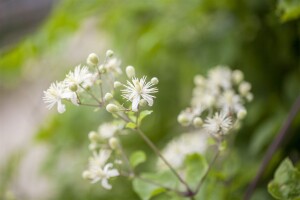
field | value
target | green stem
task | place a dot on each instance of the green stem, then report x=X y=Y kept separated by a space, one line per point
x=156 y=150
x=208 y=170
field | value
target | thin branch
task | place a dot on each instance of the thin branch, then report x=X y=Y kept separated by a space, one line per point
x=155 y=149
x=208 y=170
x=273 y=147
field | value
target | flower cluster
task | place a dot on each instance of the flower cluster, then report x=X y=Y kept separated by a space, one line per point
x=218 y=101
x=100 y=82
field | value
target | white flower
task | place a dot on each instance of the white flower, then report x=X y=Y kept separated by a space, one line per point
x=99 y=171
x=186 y=144
x=229 y=102
x=220 y=124
x=55 y=94
x=107 y=130
x=139 y=89
x=81 y=77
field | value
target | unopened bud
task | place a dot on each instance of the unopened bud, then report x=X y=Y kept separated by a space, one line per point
x=249 y=97
x=102 y=69
x=92 y=59
x=183 y=120
x=154 y=81
x=197 y=122
x=130 y=71
x=117 y=84
x=199 y=80
x=93 y=136
x=143 y=102
x=86 y=174
x=113 y=143
x=237 y=76
x=241 y=114
x=108 y=97
x=93 y=146
x=244 y=88
x=109 y=53
x=112 y=108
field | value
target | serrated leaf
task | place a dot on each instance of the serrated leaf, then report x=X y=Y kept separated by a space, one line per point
x=195 y=168
x=130 y=125
x=137 y=158
x=144 y=114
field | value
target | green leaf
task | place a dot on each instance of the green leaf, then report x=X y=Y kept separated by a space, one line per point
x=137 y=158
x=131 y=125
x=288 y=9
x=147 y=186
x=195 y=168
x=286 y=182
x=144 y=114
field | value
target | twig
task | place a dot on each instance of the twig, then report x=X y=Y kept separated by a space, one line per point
x=154 y=148
x=273 y=147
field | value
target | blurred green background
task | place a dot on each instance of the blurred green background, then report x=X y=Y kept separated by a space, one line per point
x=172 y=40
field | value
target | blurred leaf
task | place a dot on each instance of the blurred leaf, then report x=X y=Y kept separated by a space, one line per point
x=146 y=189
x=137 y=158
x=286 y=182
x=144 y=114
x=130 y=125
x=195 y=168
x=288 y=9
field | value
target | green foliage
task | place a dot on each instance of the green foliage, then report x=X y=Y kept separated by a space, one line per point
x=137 y=158
x=147 y=188
x=286 y=182
x=144 y=114
x=195 y=168
x=288 y=9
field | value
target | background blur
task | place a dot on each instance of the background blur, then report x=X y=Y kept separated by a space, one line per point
x=42 y=153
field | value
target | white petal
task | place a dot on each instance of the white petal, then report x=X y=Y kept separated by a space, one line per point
x=61 y=108
x=105 y=184
x=113 y=173
x=135 y=103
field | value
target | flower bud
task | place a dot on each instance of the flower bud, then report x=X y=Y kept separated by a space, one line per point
x=199 y=80
x=130 y=71
x=73 y=87
x=249 y=97
x=244 y=88
x=237 y=76
x=102 y=69
x=86 y=174
x=109 y=53
x=183 y=120
x=93 y=146
x=113 y=143
x=117 y=84
x=93 y=136
x=112 y=108
x=154 y=81
x=241 y=114
x=108 y=96
x=143 y=102
x=197 y=122
x=92 y=59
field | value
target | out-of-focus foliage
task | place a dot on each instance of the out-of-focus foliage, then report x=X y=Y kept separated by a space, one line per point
x=173 y=40
x=288 y=9
x=286 y=182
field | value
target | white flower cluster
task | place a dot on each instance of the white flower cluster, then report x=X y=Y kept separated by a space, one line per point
x=178 y=148
x=83 y=81
x=218 y=99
